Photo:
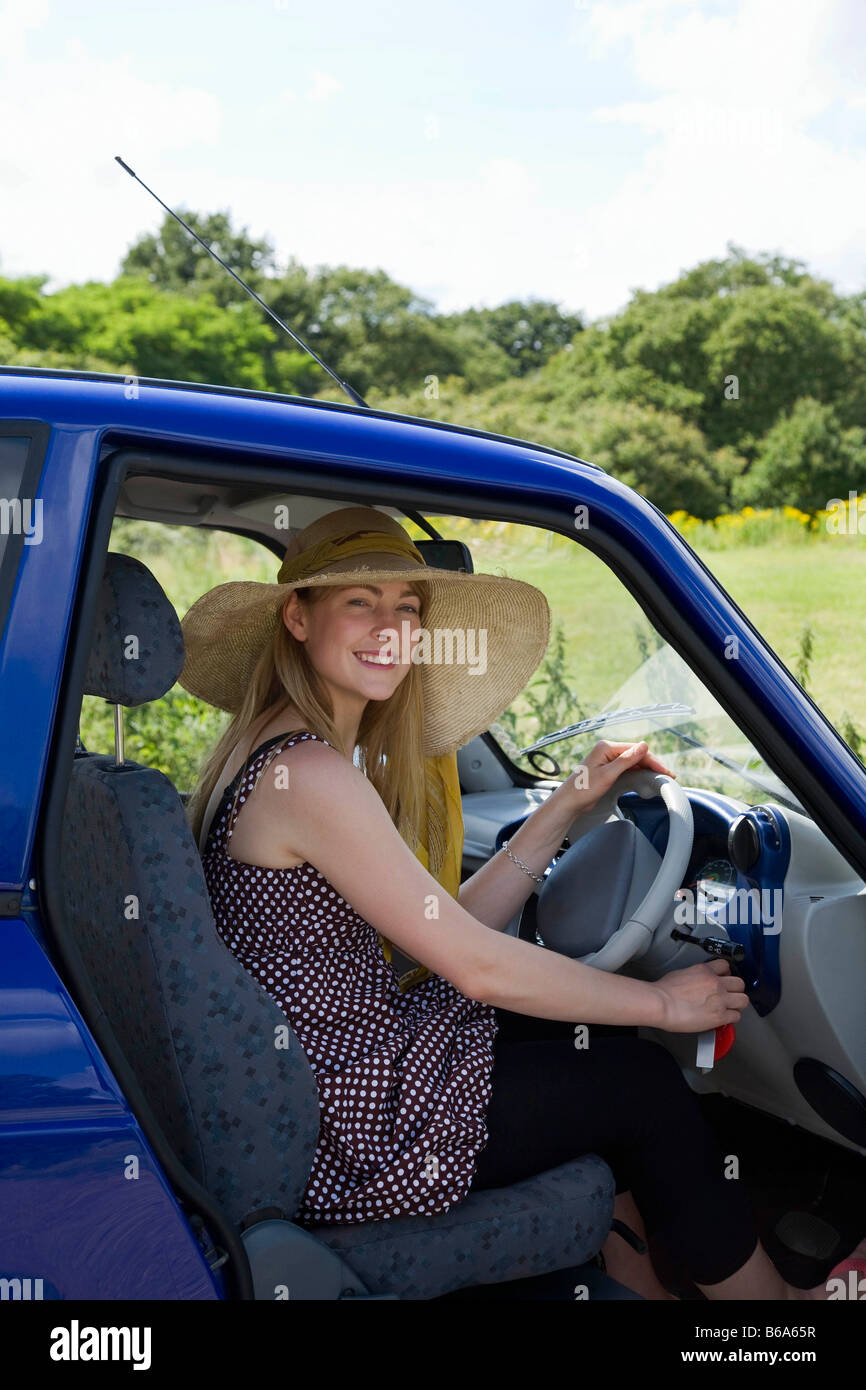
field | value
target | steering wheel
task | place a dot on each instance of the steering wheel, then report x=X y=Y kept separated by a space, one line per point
x=596 y=894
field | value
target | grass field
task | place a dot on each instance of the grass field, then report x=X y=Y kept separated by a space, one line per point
x=781 y=585
x=781 y=589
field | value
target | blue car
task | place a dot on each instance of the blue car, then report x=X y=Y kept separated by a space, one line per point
x=153 y=1142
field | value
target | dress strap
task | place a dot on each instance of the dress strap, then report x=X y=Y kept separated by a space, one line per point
x=275 y=746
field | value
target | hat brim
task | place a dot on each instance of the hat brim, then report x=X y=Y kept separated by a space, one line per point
x=226 y=630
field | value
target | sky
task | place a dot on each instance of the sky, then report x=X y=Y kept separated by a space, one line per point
x=476 y=150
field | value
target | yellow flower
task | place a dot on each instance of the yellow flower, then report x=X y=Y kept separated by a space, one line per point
x=683 y=520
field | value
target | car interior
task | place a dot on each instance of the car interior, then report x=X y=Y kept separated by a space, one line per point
x=187 y=1031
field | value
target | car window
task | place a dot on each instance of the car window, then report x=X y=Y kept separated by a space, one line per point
x=605 y=658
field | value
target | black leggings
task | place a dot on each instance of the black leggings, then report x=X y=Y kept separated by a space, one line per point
x=624 y=1098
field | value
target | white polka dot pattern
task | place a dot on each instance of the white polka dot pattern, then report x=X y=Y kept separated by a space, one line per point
x=404 y=1079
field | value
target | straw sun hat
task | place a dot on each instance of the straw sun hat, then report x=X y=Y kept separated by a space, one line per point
x=226 y=630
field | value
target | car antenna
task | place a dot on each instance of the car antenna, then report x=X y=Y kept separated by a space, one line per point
x=344 y=385
x=350 y=391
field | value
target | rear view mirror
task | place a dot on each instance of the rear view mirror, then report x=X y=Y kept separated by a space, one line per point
x=446 y=555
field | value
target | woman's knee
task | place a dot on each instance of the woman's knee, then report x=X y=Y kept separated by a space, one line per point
x=643 y=1074
x=660 y=1059
x=640 y=1056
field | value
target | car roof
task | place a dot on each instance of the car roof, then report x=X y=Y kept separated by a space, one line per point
x=164 y=401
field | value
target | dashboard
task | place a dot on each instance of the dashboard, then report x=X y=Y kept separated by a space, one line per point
x=714 y=818
x=800 y=1052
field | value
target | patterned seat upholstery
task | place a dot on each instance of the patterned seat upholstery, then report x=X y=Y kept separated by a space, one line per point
x=240 y=1112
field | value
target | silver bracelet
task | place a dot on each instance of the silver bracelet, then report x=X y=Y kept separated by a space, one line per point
x=539 y=878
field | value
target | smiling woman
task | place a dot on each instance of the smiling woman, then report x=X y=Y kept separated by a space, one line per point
x=252 y=648
x=313 y=659
x=420 y=1095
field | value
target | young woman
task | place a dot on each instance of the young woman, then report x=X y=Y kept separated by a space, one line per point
x=330 y=826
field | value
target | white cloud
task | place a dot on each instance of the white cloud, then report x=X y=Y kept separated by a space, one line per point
x=62 y=123
x=714 y=132
x=506 y=181
x=733 y=155
x=323 y=86
x=17 y=19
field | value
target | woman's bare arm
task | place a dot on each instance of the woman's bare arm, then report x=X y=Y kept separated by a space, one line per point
x=496 y=891
x=500 y=887
x=334 y=818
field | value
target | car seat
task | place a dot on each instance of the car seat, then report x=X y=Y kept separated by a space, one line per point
x=197 y=1031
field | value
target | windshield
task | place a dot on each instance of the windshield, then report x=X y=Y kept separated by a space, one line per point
x=664 y=702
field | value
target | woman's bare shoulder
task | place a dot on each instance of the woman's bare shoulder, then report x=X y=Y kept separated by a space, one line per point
x=314 y=759
x=308 y=788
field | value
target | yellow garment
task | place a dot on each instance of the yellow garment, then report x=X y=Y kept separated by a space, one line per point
x=443 y=858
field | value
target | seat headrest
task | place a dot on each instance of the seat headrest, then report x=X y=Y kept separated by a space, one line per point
x=137 y=652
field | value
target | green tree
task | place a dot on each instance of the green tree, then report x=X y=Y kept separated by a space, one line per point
x=643 y=393
x=137 y=328
x=171 y=260
x=527 y=332
x=779 y=346
x=804 y=461
x=762 y=320
x=371 y=330
x=739 y=271
x=20 y=302
x=594 y=367
x=654 y=452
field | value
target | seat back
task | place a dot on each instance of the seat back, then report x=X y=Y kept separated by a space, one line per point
x=226 y=1078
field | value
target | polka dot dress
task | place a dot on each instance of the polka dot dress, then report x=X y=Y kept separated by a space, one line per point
x=404 y=1079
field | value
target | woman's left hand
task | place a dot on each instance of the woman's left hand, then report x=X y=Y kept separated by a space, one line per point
x=600 y=769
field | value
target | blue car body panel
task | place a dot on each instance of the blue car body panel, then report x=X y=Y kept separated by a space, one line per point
x=67 y=1212
x=84 y=1205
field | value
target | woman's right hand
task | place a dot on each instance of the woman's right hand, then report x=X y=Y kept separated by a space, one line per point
x=701 y=997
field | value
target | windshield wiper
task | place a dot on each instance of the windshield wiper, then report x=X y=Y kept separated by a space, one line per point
x=600 y=721
x=626 y=716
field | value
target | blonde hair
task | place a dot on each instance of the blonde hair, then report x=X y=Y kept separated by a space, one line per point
x=390 y=734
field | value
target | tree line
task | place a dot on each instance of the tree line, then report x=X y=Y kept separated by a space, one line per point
x=742 y=382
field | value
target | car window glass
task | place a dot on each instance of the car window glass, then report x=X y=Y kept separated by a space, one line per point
x=604 y=656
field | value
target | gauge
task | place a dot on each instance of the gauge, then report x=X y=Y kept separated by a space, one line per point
x=717 y=871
